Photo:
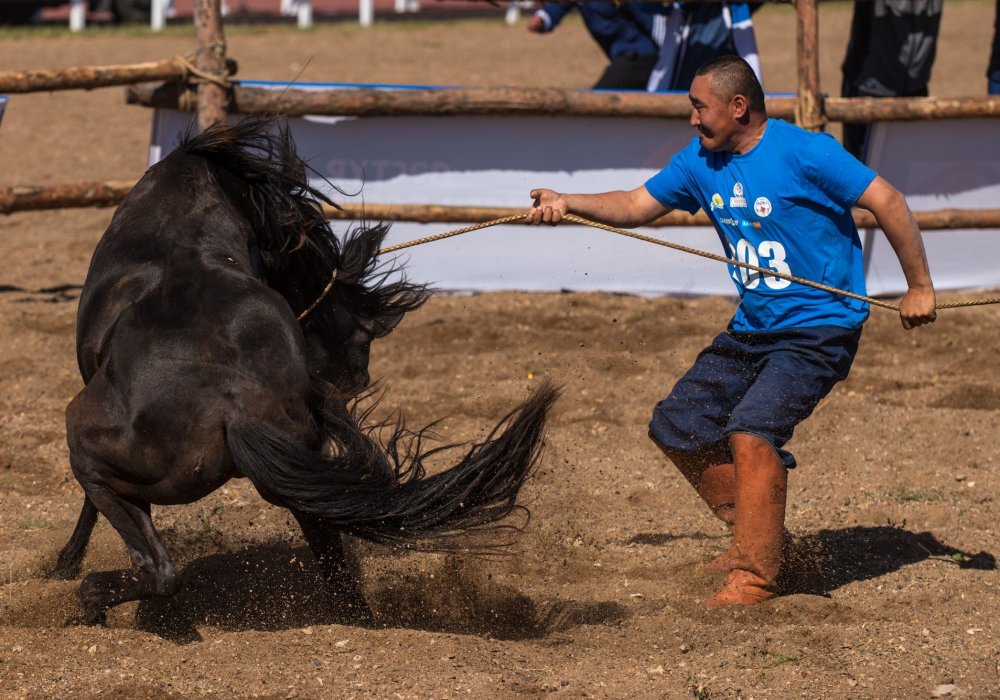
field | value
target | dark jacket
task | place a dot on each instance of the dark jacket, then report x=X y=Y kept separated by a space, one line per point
x=891 y=49
x=620 y=31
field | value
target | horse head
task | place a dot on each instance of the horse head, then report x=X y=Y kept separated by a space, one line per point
x=266 y=182
x=367 y=300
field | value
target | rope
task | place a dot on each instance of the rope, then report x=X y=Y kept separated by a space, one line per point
x=322 y=296
x=189 y=68
x=684 y=249
x=712 y=256
x=449 y=234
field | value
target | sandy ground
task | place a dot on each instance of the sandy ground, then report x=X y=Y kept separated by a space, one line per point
x=895 y=496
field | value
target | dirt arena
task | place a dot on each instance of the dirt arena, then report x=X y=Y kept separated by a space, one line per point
x=894 y=502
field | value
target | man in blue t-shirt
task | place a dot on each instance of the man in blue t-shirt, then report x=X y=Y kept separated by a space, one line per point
x=780 y=198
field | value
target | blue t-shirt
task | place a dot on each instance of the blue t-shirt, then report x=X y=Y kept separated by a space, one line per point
x=784 y=205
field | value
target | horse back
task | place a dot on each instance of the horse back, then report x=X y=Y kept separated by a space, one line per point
x=175 y=227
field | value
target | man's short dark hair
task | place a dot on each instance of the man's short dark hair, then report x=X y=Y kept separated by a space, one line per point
x=732 y=76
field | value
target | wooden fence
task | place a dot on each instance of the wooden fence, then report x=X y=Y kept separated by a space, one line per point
x=202 y=83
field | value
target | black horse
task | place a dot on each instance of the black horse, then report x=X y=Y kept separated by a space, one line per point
x=213 y=346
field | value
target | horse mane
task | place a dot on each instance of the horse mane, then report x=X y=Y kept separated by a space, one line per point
x=380 y=293
x=297 y=248
x=286 y=210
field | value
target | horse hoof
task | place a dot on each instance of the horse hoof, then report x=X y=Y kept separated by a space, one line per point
x=95 y=618
x=64 y=573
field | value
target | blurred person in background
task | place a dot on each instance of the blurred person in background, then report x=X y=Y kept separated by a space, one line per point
x=696 y=33
x=658 y=47
x=623 y=31
x=890 y=53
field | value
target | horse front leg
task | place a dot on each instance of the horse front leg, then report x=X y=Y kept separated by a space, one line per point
x=340 y=574
x=152 y=573
x=71 y=556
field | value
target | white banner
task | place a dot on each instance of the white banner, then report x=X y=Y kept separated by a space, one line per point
x=495 y=161
x=945 y=164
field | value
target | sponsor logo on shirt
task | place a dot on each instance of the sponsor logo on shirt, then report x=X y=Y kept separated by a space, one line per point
x=749 y=224
x=762 y=207
x=738 y=201
x=731 y=222
x=716 y=202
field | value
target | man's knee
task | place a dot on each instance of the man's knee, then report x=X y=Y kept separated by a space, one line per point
x=753 y=448
x=691 y=460
x=669 y=451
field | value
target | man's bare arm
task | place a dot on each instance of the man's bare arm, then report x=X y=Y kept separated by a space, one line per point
x=619 y=208
x=894 y=217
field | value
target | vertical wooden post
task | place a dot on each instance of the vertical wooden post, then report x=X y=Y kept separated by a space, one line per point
x=808 y=111
x=210 y=57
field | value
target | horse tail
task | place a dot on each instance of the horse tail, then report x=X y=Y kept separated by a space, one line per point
x=373 y=492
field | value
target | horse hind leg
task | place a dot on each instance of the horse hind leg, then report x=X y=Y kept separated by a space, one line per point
x=339 y=573
x=152 y=574
x=71 y=557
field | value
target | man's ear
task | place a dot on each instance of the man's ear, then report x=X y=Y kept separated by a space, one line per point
x=740 y=106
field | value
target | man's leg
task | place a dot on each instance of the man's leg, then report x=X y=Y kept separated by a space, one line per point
x=688 y=426
x=761 y=486
x=628 y=72
x=799 y=368
x=713 y=477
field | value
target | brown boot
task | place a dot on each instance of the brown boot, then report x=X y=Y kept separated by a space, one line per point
x=761 y=484
x=742 y=588
x=717 y=487
x=724 y=563
x=712 y=475
x=716 y=484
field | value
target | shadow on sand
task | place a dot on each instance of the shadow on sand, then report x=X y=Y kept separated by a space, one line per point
x=826 y=560
x=278 y=586
x=822 y=562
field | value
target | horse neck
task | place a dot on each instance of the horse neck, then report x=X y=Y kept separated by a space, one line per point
x=294 y=268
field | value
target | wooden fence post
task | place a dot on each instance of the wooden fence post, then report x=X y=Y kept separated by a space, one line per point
x=210 y=58
x=808 y=110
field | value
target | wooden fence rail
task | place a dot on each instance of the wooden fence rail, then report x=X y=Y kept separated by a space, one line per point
x=63 y=196
x=362 y=102
x=370 y=102
x=876 y=109
x=90 y=77
x=111 y=193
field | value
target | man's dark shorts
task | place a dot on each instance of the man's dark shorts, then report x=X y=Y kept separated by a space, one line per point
x=761 y=383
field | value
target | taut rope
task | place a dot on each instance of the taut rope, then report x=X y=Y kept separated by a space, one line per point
x=684 y=249
x=322 y=296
